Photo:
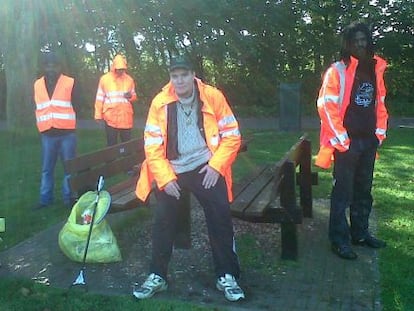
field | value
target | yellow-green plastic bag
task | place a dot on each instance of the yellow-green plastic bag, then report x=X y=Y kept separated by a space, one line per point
x=103 y=246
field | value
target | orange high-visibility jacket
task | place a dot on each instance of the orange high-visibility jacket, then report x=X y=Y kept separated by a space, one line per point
x=334 y=98
x=221 y=131
x=110 y=103
x=56 y=112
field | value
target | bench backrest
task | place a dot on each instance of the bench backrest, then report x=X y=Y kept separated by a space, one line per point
x=285 y=170
x=270 y=184
x=84 y=170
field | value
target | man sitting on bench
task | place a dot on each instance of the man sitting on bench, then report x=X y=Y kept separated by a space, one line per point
x=191 y=140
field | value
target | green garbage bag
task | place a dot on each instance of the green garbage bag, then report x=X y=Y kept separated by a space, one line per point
x=103 y=246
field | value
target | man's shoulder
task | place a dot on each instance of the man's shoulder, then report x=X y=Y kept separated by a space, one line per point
x=39 y=80
x=162 y=98
x=106 y=76
x=207 y=89
x=380 y=61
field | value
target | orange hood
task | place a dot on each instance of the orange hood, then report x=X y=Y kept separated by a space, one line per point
x=119 y=62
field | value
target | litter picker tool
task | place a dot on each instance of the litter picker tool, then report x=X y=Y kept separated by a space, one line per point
x=80 y=279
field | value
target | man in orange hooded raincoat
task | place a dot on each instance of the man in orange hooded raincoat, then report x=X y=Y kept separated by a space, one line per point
x=113 y=104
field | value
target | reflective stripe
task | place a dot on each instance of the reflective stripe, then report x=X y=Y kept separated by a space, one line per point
x=334 y=141
x=380 y=131
x=100 y=97
x=343 y=137
x=340 y=66
x=321 y=102
x=331 y=124
x=153 y=129
x=232 y=132
x=339 y=139
x=150 y=141
x=115 y=93
x=327 y=98
x=116 y=100
x=55 y=103
x=332 y=98
x=226 y=120
x=62 y=116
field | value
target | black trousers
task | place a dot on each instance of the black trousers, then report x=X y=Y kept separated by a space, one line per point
x=353 y=175
x=112 y=135
x=219 y=224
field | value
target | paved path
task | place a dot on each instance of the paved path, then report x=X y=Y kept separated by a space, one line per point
x=317 y=281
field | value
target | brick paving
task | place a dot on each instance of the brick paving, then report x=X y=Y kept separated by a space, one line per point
x=317 y=281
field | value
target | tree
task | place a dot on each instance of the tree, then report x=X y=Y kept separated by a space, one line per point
x=244 y=47
x=20 y=48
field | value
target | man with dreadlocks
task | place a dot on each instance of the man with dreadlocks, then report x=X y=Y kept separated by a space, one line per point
x=351 y=106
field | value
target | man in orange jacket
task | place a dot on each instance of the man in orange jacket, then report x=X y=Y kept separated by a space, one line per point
x=116 y=92
x=56 y=96
x=191 y=140
x=353 y=124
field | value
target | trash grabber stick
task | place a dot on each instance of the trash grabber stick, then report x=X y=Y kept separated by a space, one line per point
x=81 y=280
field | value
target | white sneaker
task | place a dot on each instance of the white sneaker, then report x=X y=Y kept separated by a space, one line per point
x=229 y=286
x=153 y=284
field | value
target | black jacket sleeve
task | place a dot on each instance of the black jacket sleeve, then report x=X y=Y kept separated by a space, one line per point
x=76 y=97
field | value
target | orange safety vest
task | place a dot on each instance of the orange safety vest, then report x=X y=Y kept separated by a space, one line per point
x=221 y=132
x=334 y=98
x=111 y=104
x=56 y=112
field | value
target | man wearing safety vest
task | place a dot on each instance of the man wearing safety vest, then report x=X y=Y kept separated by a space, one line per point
x=116 y=92
x=191 y=140
x=55 y=98
x=354 y=118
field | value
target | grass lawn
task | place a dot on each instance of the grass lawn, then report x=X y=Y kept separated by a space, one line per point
x=393 y=194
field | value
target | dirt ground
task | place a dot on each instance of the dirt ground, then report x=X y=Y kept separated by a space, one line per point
x=317 y=281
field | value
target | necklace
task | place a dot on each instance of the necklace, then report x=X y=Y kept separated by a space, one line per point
x=187 y=113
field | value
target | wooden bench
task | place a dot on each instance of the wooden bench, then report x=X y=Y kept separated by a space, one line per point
x=119 y=164
x=268 y=195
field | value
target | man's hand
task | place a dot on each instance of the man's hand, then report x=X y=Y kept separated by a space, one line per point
x=210 y=178
x=173 y=189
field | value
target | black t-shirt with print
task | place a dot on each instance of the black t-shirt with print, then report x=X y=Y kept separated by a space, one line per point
x=360 y=117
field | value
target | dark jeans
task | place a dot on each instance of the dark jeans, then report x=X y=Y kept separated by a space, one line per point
x=219 y=224
x=53 y=147
x=112 y=135
x=353 y=174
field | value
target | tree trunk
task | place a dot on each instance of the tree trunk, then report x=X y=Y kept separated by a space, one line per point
x=20 y=58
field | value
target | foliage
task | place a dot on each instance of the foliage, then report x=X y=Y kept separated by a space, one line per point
x=247 y=48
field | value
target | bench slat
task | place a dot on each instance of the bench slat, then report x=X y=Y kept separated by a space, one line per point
x=108 y=154
x=256 y=209
x=250 y=191
x=124 y=186
x=125 y=199
x=88 y=178
x=266 y=207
